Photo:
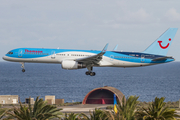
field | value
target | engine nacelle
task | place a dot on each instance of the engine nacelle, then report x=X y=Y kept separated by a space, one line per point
x=70 y=65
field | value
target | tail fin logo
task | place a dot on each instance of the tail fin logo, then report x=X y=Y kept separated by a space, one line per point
x=164 y=47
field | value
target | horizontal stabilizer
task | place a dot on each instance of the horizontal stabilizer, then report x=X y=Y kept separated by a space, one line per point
x=115 y=48
x=162 y=58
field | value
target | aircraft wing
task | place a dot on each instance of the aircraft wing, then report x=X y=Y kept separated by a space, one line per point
x=162 y=58
x=93 y=59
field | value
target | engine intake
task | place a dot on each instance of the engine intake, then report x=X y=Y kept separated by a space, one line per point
x=70 y=65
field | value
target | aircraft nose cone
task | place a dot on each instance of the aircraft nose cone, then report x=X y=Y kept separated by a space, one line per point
x=4 y=58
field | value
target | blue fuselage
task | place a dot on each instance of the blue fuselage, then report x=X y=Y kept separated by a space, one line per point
x=110 y=58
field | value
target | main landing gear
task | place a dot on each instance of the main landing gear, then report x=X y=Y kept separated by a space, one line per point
x=89 y=72
x=23 y=70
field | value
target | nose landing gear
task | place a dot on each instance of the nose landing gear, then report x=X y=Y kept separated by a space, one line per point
x=23 y=70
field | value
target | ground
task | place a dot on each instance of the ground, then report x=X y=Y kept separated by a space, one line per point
x=82 y=108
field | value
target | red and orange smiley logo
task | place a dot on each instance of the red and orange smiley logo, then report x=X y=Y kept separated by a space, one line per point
x=164 y=47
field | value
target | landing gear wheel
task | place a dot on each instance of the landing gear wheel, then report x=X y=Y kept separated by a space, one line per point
x=23 y=70
x=92 y=73
x=87 y=73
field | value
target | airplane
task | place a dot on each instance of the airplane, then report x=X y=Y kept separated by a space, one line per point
x=77 y=59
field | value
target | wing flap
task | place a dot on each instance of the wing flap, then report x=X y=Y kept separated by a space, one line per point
x=93 y=59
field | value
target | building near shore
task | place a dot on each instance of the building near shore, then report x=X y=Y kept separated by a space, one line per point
x=9 y=99
x=59 y=101
x=50 y=99
x=103 y=95
x=29 y=100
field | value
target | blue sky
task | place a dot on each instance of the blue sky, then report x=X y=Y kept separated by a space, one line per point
x=80 y=24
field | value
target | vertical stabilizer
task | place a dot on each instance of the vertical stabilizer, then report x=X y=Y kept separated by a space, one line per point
x=162 y=44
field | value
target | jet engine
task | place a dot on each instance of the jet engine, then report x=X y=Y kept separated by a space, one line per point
x=70 y=65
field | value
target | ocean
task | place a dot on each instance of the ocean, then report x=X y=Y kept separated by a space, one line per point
x=72 y=85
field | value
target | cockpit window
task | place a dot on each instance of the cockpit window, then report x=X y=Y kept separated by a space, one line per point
x=10 y=53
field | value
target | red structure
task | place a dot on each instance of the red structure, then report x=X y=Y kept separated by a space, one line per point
x=102 y=95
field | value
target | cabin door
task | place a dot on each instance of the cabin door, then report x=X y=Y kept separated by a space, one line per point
x=111 y=57
x=142 y=58
x=20 y=53
x=53 y=55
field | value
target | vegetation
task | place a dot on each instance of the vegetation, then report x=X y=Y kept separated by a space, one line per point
x=174 y=105
x=3 y=112
x=156 y=111
x=96 y=115
x=69 y=104
x=129 y=109
x=40 y=111
x=111 y=107
x=71 y=116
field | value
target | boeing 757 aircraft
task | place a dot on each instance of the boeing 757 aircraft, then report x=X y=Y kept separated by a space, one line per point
x=77 y=59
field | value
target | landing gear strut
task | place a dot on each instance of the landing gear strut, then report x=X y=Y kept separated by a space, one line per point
x=89 y=71
x=23 y=70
